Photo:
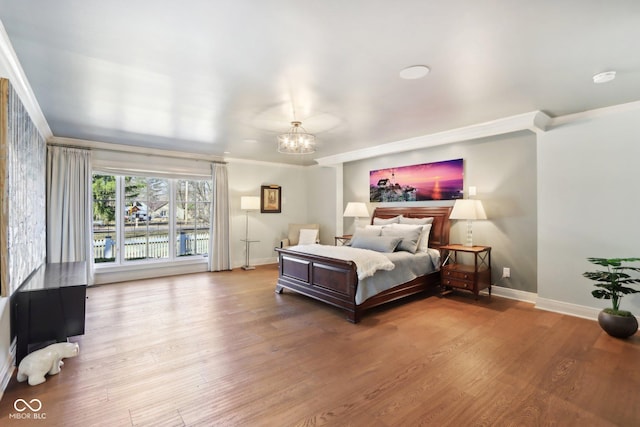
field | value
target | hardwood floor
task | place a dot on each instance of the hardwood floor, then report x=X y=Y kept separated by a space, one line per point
x=224 y=349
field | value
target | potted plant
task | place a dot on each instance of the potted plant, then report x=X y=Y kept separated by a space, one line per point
x=611 y=285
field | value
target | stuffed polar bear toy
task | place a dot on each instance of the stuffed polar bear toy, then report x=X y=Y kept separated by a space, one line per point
x=46 y=360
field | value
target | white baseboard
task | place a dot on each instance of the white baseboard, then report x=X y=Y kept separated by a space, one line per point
x=7 y=368
x=259 y=261
x=568 y=308
x=514 y=294
x=547 y=304
x=575 y=310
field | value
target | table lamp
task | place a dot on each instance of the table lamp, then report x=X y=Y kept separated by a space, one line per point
x=471 y=210
x=356 y=210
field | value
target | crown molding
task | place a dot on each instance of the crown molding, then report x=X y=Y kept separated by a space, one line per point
x=9 y=62
x=535 y=121
x=584 y=116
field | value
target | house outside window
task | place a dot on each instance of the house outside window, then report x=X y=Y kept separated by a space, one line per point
x=149 y=219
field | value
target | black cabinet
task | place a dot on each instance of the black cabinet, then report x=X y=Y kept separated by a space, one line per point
x=49 y=306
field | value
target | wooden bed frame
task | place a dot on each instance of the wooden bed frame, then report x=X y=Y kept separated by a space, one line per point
x=335 y=281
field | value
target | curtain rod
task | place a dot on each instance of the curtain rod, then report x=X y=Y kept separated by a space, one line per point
x=115 y=150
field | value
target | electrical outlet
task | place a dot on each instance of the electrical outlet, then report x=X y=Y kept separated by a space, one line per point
x=506 y=272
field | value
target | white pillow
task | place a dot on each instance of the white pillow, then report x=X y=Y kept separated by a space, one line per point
x=416 y=221
x=423 y=243
x=369 y=230
x=380 y=221
x=374 y=227
x=307 y=236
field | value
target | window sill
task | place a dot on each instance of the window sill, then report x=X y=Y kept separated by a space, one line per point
x=136 y=270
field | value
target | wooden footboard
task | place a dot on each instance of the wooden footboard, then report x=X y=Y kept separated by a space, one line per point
x=329 y=280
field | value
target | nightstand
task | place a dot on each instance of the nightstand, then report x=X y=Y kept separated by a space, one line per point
x=342 y=239
x=471 y=277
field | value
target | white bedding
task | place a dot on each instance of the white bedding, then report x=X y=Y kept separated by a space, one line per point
x=378 y=271
x=408 y=267
x=367 y=262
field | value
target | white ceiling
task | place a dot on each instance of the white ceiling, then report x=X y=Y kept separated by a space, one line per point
x=216 y=76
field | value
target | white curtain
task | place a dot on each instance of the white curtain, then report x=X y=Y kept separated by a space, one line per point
x=219 y=243
x=69 y=198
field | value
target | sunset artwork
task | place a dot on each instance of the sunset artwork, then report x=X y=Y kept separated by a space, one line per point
x=428 y=181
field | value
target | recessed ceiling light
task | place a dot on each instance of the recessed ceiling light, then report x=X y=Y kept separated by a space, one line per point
x=414 y=72
x=607 y=76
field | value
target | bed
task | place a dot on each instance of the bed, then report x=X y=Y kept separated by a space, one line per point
x=335 y=281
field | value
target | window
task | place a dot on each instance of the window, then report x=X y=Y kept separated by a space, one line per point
x=193 y=208
x=104 y=218
x=134 y=217
x=146 y=234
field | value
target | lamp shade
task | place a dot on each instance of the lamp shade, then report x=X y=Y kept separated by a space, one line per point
x=356 y=209
x=469 y=209
x=250 y=203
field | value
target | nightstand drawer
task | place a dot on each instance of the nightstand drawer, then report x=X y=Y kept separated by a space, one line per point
x=452 y=274
x=455 y=283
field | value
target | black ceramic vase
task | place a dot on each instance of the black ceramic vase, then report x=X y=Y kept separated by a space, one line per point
x=618 y=326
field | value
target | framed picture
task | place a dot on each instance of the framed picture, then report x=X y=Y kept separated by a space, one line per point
x=427 y=181
x=270 y=199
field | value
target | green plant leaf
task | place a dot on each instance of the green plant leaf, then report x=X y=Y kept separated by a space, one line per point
x=611 y=283
x=629 y=281
x=602 y=276
x=607 y=286
x=614 y=262
x=601 y=294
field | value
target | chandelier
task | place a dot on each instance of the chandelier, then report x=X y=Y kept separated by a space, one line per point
x=296 y=141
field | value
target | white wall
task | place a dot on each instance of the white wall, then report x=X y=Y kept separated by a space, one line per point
x=245 y=179
x=588 y=204
x=321 y=201
x=503 y=168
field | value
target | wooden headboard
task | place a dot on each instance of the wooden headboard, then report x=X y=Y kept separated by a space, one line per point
x=439 y=231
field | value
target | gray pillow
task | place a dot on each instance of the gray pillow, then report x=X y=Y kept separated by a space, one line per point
x=416 y=221
x=380 y=221
x=410 y=238
x=364 y=232
x=376 y=243
x=367 y=231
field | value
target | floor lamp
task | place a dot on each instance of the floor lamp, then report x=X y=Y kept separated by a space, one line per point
x=248 y=203
x=469 y=209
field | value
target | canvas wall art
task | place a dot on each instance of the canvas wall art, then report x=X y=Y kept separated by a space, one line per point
x=427 y=181
x=22 y=192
